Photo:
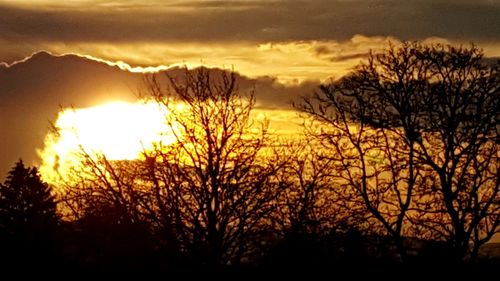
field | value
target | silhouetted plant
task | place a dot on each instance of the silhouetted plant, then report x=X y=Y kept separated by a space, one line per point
x=28 y=219
x=104 y=240
x=309 y=205
x=415 y=135
x=210 y=193
x=218 y=178
x=405 y=147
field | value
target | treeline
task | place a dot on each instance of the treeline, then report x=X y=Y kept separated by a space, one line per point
x=399 y=167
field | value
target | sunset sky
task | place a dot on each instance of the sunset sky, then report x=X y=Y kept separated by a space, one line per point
x=292 y=40
x=96 y=48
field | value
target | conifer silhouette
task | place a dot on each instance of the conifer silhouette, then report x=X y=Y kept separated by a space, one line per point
x=28 y=218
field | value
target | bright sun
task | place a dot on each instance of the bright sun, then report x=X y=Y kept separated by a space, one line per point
x=123 y=131
x=119 y=130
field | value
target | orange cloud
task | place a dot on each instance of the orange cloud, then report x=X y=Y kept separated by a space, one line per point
x=290 y=62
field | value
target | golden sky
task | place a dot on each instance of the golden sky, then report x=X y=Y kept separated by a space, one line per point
x=290 y=40
x=285 y=47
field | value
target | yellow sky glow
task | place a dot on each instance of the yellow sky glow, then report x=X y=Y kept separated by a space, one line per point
x=119 y=130
x=290 y=62
x=122 y=131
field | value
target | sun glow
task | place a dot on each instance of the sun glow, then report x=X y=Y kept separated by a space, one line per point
x=124 y=131
x=118 y=130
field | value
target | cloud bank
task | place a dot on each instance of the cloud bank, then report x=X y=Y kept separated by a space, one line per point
x=34 y=90
x=263 y=21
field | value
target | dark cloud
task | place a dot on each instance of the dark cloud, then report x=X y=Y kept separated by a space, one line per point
x=340 y=58
x=333 y=56
x=33 y=91
x=255 y=21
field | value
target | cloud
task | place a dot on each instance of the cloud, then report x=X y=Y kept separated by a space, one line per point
x=290 y=62
x=33 y=90
x=293 y=41
x=258 y=21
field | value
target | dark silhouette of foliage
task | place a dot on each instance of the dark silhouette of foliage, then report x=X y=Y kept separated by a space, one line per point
x=210 y=194
x=28 y=218
x=399 y=170
x=309 y=205
x=415 y=135
x=103 y=241
x=217 y=172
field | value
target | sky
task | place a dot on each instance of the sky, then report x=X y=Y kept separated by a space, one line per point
x=285 y=48
x=291 y=40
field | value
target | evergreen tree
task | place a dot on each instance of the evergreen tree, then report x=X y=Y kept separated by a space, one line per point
x=28 y=218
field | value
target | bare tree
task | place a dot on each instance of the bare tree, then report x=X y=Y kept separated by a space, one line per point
x=220 y=172
x=309 y=205
x=211 y=192
x=415 y=134
x=459 y=143
x=370 y=166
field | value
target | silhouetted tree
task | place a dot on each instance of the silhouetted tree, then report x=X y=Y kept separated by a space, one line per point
x=371 y=165
x=28 y=219
x=415 y=135
x=218 y=178
x=211 y=192
x=458 y=142
x=309 y=205
x=104 y=240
